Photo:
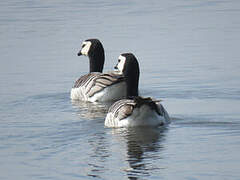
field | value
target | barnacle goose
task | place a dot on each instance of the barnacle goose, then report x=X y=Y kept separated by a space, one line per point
x=97 y=86
x=135 y=110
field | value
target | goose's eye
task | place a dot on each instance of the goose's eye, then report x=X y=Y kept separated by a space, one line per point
x=83 y=45
x=119 y=60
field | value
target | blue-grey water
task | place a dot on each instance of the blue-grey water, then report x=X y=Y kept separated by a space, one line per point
x=189 y=57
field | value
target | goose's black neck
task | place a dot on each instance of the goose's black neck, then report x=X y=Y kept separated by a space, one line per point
x=96 y=62
x=131 y=73
x=132 y=86
x=96 y=56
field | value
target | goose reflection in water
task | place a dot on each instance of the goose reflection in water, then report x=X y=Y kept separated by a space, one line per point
x=91 y=110
x=143 y=147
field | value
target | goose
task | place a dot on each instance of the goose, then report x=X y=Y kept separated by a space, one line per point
x=134 y=110
x=97 y=86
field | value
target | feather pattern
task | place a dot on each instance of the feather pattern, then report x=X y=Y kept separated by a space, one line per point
x=122 y=108
x=93 y=83
x=131 y=112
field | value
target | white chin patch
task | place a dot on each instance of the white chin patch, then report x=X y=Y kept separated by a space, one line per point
x=86 y=48
x=121 y=64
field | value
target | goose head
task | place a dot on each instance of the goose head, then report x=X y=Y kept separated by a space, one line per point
x=129 y=67
x=93 y=48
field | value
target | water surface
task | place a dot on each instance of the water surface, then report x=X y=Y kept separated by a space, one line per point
x=189 y=57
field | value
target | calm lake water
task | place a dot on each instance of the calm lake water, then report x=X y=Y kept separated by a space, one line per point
x=189 y=57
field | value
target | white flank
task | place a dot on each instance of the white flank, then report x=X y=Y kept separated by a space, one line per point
x=143 y=116
x=114 y=92
x=111 y=93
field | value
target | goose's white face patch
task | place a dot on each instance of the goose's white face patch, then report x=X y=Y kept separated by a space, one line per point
x=121 y=63
x=85 y=47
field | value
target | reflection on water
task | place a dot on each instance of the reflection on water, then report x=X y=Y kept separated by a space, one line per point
x=99 y=154
x=144 y=145
x=89 y=110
